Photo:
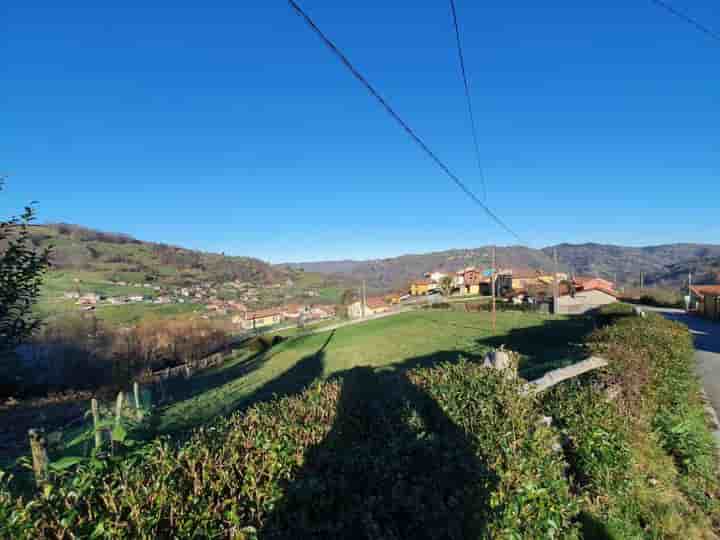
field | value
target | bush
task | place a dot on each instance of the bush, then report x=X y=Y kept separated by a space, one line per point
x=658 y=297
x=448 y=452
x=611 y=313
x=647 y=398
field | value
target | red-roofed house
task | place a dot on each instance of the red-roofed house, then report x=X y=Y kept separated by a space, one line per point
x=377 y=305
x=708 y=297
x=587 y=282
x=262 y=318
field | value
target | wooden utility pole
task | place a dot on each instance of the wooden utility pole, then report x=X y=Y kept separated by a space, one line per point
x=492 y=286
x=363 y=299
x=556 y=290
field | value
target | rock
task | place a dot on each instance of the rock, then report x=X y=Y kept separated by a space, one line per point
x=502 y=360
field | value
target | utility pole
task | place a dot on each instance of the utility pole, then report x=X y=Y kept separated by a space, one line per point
x=492 y=286
x=555 y=282
x=642 y=280
x=689 y=290
x=363 y=299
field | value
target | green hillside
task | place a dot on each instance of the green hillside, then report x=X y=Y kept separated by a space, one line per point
x=114 y=265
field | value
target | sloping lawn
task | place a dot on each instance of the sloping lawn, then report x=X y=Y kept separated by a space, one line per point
x=420 y=338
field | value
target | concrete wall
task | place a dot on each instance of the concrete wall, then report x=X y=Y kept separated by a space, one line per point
x=583 y=302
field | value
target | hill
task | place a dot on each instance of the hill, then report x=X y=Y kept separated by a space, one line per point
x=117 y=265
x=123 y=258
x=396 y=272
x=665 y=265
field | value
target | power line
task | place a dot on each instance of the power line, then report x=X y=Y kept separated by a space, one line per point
x=704 y=29
x=467 y=96
x=333 y=48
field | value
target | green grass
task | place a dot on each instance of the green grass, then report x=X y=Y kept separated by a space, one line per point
x=398 y=342
x=134 y=313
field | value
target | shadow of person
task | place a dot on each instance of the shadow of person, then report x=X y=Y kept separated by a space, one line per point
x=392 y=466
x=294 y=380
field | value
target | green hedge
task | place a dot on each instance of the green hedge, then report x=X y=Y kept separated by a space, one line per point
x=645 y=403
x=448 y=452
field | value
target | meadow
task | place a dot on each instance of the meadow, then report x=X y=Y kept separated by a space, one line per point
x=414 y=339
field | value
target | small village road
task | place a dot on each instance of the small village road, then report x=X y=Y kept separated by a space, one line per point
x=707 y=351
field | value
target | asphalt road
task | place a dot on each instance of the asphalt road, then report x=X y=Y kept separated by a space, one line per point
x=707 y=351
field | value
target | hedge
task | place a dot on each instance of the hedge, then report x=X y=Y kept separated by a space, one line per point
x=646 y=403
x=447 y=452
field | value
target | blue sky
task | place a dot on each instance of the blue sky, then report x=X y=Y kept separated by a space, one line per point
x=227 y=126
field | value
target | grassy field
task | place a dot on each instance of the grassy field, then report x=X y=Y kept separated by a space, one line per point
x=399 y=342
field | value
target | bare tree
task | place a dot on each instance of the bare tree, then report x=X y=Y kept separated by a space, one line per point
x=446 y=285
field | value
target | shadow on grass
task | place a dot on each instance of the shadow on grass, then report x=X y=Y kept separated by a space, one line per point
x=293 y=381
x=553 y=344
x=394 y=465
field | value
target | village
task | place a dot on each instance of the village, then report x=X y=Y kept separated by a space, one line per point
x=534 y=287
x=527 y=286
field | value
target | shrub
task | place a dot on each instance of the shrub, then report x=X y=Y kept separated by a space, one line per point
x=449 y=452
x=656 y=393
x=659 y=297
x=531 y=496
x=611 y=313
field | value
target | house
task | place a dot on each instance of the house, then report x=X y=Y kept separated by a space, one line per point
x=707 y=298
x=435 y=275
x=116 y=301
x=294 y=311
x=459 y=280
x=584 y=301
x=262 y=318
x=589 y=282
x=421 y=286
x=135 y=298
x=356 y=311
x=237 y=306
x=376 y=305
x=71 y=295
x=472 y=278
x=162 y=300
x=393 y=298
x=89 y=299
x=323 y=311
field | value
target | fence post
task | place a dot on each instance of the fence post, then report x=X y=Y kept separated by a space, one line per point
x=96 y=422
x=118 y=408
x=138 y=408
x=38 y=447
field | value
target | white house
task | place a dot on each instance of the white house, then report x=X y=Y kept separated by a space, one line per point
x=584 y=301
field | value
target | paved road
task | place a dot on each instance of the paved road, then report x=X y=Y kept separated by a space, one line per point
x=707 y=351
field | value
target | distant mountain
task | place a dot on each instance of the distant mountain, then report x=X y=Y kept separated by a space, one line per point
x=662 y=265
x=121 y=257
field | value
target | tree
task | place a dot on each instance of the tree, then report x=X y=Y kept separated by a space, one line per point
x=349 y=296
x=446 y=285
x=22 y=266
